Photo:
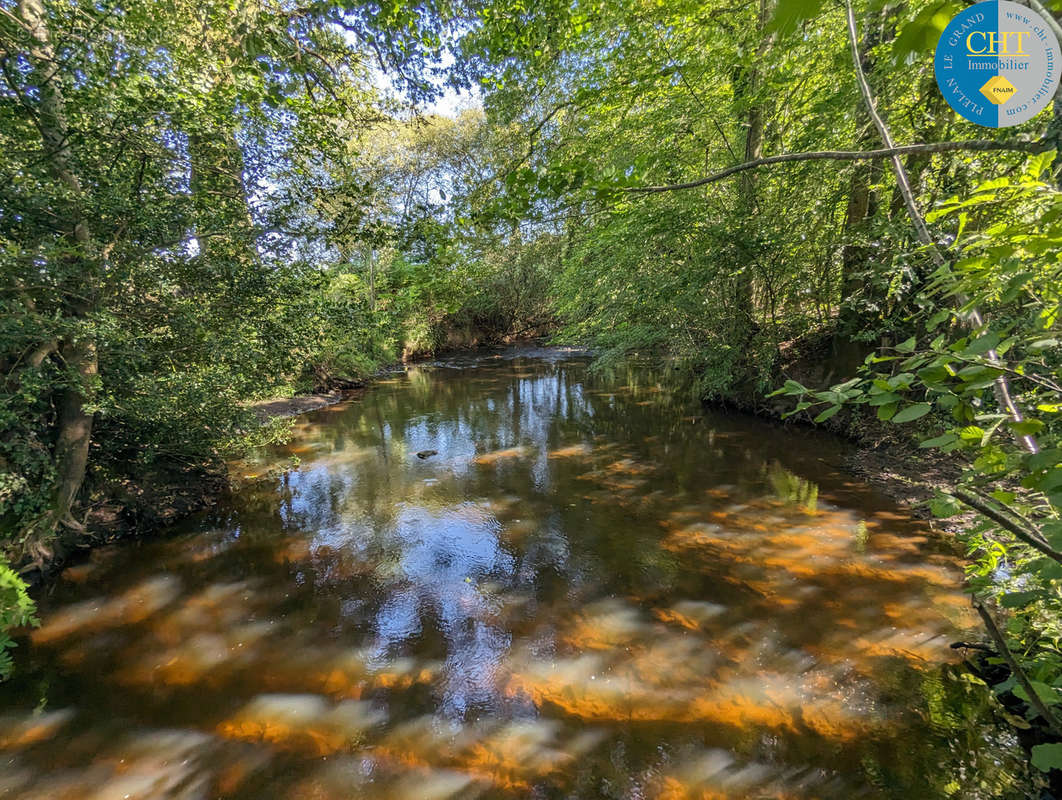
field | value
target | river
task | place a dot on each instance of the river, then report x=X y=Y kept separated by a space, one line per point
x=594 y=588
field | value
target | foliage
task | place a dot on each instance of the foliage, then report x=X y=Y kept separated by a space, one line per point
x=671 y=99
x=945 y=378
x=622 y=106
x=148 y=289
x=16 y=610
x=205 y=204
x=208 y=204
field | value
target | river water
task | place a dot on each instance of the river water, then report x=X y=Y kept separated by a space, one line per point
x=594 y=589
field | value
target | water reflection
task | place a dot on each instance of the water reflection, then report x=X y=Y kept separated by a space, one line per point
x=592 y=589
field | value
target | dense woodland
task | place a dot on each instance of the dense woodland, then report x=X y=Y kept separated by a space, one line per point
x=206 y=204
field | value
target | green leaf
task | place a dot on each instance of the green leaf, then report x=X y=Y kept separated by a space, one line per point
x=1047 y=568
x=1038 y=163
x=901 y=381
x=829 y=412
x=1046 y=693
x=1044 y=459
x=1028 y=427
x=1050 y=481
x=907 y=346
x=934 y=374
x=886 y=412
x=1018 y=599
x=790 y=13
x=921 y=34
x=982 y=344
x=947 y=401
x=991 y=461
x=884 y=399
x=943 y=506
x=912 y=412
x=1052 y=531
x=1046 y=757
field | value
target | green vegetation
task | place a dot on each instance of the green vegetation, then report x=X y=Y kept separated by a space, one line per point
x=16 y=610
x=207 y=204
x=927 y=281
x=188 y=225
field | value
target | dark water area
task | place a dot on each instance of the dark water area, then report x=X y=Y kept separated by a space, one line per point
x=594 y=589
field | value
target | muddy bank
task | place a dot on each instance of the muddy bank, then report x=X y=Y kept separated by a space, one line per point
x=127 y=509
x=282 y=407
x=159 y=498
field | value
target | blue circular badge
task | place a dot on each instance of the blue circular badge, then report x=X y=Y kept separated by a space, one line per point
x=997 y=63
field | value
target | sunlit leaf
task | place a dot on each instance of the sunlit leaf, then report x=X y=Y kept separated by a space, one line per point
x=912 y=412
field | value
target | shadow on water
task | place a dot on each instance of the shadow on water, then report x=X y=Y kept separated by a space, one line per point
x=594 y=589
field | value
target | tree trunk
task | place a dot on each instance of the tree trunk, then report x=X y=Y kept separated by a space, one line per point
x=749 y=87
x=862 y=199
x=75 y=429
x=74 y=432
x=372 y=278
x=862 y=205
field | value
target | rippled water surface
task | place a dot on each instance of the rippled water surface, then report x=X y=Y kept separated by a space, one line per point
x=595 y=589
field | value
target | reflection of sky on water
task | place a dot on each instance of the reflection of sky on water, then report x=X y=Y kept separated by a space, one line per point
x=592 y=589
x=443 y=560
x=446 y=553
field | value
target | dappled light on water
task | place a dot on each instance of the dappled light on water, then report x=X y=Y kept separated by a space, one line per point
x=592 y=588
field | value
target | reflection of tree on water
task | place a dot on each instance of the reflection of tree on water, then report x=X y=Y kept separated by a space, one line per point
x=594 y=589
x=791 y=488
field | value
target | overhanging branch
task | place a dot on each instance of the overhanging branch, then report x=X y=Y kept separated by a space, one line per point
x=973 y=145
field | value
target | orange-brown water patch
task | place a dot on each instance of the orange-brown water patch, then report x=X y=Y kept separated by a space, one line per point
x=573 y=451
x=302 y=722
x=500 y=455
x=131 y=607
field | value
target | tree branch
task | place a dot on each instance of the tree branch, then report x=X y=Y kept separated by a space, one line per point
x=1052 y=23
x=973 y=318
x=1019 y=674
x=1036 y=541
x=973 y=145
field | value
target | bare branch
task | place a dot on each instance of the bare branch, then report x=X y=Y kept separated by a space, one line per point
x=972 y=317
x=973 y=145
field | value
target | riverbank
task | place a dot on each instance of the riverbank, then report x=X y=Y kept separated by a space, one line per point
x=884 y=456
x=889 y=459
x=161 y=497
x=283 y=407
